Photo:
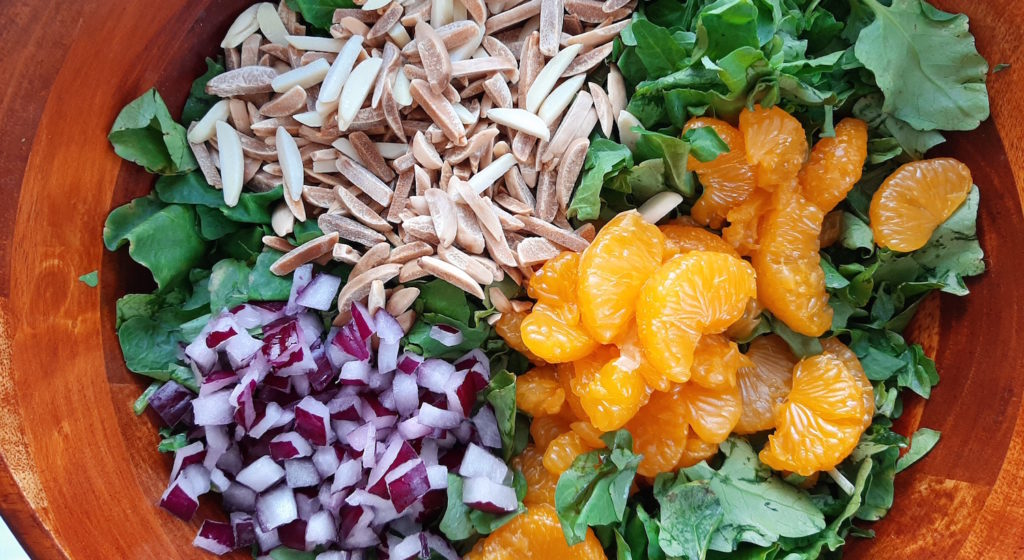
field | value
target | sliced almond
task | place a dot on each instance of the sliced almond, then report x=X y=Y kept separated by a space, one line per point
x=277 y=243
x=547 y=198
x=232 y=163
x=576 y=124
x=508 y=18
x=452 y=275
x=625 y=123
x=412 y=271
x=418 y=204
x=391 y=16
x=497 y=90
x=268 y=127
x=425 y=153
x=258 y=149
x=440 y=111
x=551 y=12
x=592 y=11
x=552 y=233
x=206 y=165
x=286 y=104
x=391 y=110
x=307 y=252
x=319 y=196
x=402 y=188
x=349 y=229
x=516 y=186
x=372 y=258
x=271 y=25
x=390 y=60
x=469 y=235
x=481 y=207
x=330 y=89
x=407 y=320
x=559 y=99
x=364 y=180
x=478 y=272
x=305 y=76
x=410 y=251
x=476 y=146
x=603 y=106
x=433 y=57
x=521 y=120
x=240 y=118
x=536 y=250
x=357 y=87
x=421 y=228
x=376 y=299
x=442 y=213
x=370 y=156
x=569 y=169
x=588 y=60
x=499 y=300
x=281 y=220
x=487 y=176
x=497 y=247
x=659 y=206
x=422 y=180
x=496 y=48
x=587 y=231
x=242 y=81
x=291 y=163
x=480 y=66
x=548 y=76
x=345 y=253
x=523 y=149
x=476 y=9
x=206 y=127
x=361 y=211
x=313 y=43
x=401 y=300
x=244 y=25
x=357 y=289
x=531 y=62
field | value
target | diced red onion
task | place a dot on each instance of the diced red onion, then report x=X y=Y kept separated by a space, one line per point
x=300 y=279
x=196 y=478
x=241 y=348
x=407 y=484
x=289 y=445
x=179 y=500
x=201 y=355
x=349 y=473
x=213 y=410
x=215 y=537
x=239 y=497
x=218 y=480
x=412 y=428
x=261 y=474
x=301 y=473
x=363 y=321
x=312 y=421
x=267 y=540
x=437 y=475
x=438 y=418
x=486 y=495
x=433 y=375
x=320 y=293
x=276 y=507
x=243 y=529
x=171 y=402
x=256 y=314
x=442 y=547
x=191 y=454
x=217 y=381
x=355 y=372
x=478 y=462
x=487 y=427
x=293 y=534
x=326 y=460
x=271 y=415
x=307 y=505
x=409 y=363
x=446 y=335
x=320 y=529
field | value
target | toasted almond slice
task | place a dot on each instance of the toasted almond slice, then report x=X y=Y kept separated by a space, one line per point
x=587 y=231
x=588 y=60
x=445 y=271
x=372 y=258
x=497 y=90
x=516 y=186
x=496 y=271
x=547 y=199
x=521 y=306
x=530 y=64
x=242 y=81
x=206 y=127
x=407 y=320
x=305 y=76
x=281 y=220
x=244 y=25
x=375 y=301
x=422 y=180
x=603 y=106
x=521 y=120
x=481 y=207
x=399 y=35
x=232 y=163
x=250 y=51
x=559 y=99
x=422 y=228
x=476 y=146
x=286 y=104
x=330 y=89
x=357 y=87
x=364 y=180
x=370 y=156
x=358 y=288
x=319 y=196
x=418 y=204
x=257 y=149
x=578 y=123
x=523 y=149
x=361 y=211
x=551 y=12
x=410 y=251
x=392 y=113
x=440 y=111
x=349 y=26
x=390 y=60
x=479 y=66
x=312 y=43
x=499 y=300
x=291 y=163
x=548 y=76
x=374 y=5
x=349 y=229
x=553 y=233
x=402 y=188
x=478 y=272
x=536 y=250
x=599 y=35
x=476 y=9
x=498 y=249
x=401 y=300
x=442 y=213
x=277 y=243
x=508 y=18
x=441 y=12
x=240 y=118
x=569 y=170
x=206 y=165
x=268 y=127
x=356 y=13
x=468 y=115
x=307 y=252
x=345 y=253
x=295 y=204
x=659 y=206
x=412 y=271
x=249 y=169
x=425 y=153
x=490 y=174
x=271 y=25
x=433 y=57
x=509 y=223
x=232 y=59
x=468 y=236
x=625 y=123
x=497 y=49
x=592 y=11
x=344 y=145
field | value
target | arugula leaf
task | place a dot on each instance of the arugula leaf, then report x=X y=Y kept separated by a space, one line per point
x=925 y=62
x=705 y=143
x=690 y=514
x=604 y=158
x=228 y=285
x=146 y=134
x=673 y=153
x=657 y=48
x=319 y=13
x=594 y=490
x=726 y=26
x=922 y=442
x=91 y=279
x=192 y=188
x=199 y=102
x=265 y=285
x=456 y=524
x=161 y=238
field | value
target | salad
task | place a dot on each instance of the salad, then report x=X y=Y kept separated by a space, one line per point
x=532 y=278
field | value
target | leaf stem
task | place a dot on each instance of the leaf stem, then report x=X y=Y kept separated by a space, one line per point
x=842 y=481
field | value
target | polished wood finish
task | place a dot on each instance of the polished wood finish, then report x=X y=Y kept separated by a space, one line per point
x=80 y=474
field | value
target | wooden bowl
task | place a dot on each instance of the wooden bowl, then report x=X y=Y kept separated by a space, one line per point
x=80 y=472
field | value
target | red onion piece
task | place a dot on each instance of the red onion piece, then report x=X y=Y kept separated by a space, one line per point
x=320 y=293
x=488 y=496
x=276 y=507
x=171 y=402
x=261 y=474
x=446 y=335
x=478 y=462
x=215 y=537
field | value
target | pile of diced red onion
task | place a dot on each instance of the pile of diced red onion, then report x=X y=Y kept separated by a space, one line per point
x=338 y=443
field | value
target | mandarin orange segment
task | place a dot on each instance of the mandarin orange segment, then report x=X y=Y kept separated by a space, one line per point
x=535 y=534
x=553 y=338
x=775 y=144
x=510 y=328
x=764 y=385
x=683 y=239
x=590 y=435
x=790 y=281
x=556 y=281
x=630 y=348
x=566 y=372
x=659 y=433
x=727 y=180
x=563 y=450
x=544 y=429
x=691 y=295
x=821 y=420
x=834 y=347
x=697 y=450
x=915 y=200
x=711 y=413
x=540 y=484
x=715 y=362
x=745 y=221
x=612 y=270
x=538 y=392
x=612 y=396
x=744 y=327
x=835 y=165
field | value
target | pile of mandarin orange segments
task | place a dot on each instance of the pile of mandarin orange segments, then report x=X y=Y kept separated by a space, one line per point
x=639 y=330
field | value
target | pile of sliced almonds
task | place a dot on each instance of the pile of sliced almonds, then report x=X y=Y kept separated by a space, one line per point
x=426 y=137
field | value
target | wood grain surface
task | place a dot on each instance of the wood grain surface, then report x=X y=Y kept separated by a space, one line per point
x=79 y=475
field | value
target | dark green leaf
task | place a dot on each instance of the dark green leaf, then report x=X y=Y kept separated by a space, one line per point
x=172 y=442
x=690 y=513
x=501 y=394
x=192 y=189
x=705 y=143
x=163 y=239
x=145 y=133
x=456 y=524
x=319 y=13
x=725 y=26
x=923 y=441
x=657 y=48
x=91 y=279
x=199 y=102
x=228 y=285
x=265 y=285
x=148 y=346
x=284 y=553
x=604 y=158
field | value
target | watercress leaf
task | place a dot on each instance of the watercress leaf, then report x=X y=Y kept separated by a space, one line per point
x=438 y=296
x=92 y=279
x=673 y=153
x=245 y=244
x=725 y=26
x=228 y=285
x=856 y=234
x=164 y=239
x=604 y=158
x=923 y=441
x=926 y=64
x=193 y=189
x=319 y=13
x=657 y=48
x=705 y=143
x=879 y=491
x=199 y=102
x=213 y=224
x=149 y=346
x=265 y=285
x=305 y=231
x=123 y=219
x=145 y=133
x=690 y=514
